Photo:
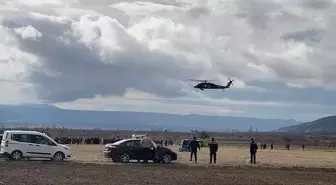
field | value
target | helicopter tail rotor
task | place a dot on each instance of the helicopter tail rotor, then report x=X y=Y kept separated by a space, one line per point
x=230 y=82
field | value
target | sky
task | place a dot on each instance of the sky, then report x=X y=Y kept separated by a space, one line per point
x=138 y=56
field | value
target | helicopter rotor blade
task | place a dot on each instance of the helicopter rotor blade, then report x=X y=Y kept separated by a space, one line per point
x=200 y=80
x=197 y=80
x=231 y=80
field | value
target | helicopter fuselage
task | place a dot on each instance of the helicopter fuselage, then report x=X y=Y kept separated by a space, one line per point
x=208 y=85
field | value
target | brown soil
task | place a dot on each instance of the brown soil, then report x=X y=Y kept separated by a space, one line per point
x=70 y=173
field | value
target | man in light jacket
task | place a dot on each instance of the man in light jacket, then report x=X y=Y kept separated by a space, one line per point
x=147 y=143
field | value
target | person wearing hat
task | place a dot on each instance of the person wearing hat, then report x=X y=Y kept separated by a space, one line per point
x=253 y=151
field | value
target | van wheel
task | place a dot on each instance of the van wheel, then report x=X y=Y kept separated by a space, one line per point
x=16 y=155
x=59 y=156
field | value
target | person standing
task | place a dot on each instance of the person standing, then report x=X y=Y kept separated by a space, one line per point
x=147 y=143
x=253 y=151
x=213 y=146
x=193 y=145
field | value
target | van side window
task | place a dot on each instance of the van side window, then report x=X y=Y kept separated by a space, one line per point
x=19 y=137
x=45 y=141
x=39 y=140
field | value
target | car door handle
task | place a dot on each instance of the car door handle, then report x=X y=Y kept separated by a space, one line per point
x=37 y=145
x=30 y=144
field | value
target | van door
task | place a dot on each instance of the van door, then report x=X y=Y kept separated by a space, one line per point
x=35 y=141
x=21 y=142
x=47 y=148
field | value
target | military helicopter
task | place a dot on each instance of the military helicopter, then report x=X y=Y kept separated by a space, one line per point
x=205 y=84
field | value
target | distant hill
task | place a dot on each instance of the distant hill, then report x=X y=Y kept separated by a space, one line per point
x=326 y=124
x=48 y=115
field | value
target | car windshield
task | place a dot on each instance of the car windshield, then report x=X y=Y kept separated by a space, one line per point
x=185 y=142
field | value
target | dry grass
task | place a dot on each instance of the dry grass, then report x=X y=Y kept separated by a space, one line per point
x=230 y=156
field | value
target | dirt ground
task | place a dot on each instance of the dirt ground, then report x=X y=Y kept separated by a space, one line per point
x=230 y=156
x=277 y=167
x=69 y=173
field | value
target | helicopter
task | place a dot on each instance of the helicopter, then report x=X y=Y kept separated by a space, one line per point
x=205 y=84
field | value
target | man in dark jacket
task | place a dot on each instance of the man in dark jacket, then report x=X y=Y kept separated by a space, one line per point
x=253 y=151
x=213 y=146
x=193 y=145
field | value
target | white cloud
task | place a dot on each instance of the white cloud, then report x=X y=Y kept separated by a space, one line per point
x=11 y=93
x=78 y=50
x=39 y=3
x=28 y=32
x=134 y=100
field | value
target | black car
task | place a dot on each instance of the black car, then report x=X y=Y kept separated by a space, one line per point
x=130 y=149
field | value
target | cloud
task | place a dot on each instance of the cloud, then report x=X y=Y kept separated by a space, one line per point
x=80 y=50
x=28 y=32
x=134 y=100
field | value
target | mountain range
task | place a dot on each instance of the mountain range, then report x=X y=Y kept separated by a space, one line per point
x=325 y=125
x=49 y=115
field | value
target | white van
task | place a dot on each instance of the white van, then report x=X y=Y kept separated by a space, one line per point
x=31 y=144
x=137 y=136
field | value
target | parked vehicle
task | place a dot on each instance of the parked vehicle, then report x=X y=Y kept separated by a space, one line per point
x=1 y=156
x=129 y=149
x=17 y=145
x=137 y=136
x=184 y=146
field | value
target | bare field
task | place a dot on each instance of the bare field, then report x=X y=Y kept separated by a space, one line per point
x=69 y=173
x=229 y=156
x=275 y=168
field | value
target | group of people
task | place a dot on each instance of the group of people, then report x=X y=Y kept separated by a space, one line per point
x=213 y=147
x=194 y=146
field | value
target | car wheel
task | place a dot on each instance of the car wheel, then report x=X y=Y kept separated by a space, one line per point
x=59 y=156
x=125 y=158
x=16 y=155
x=166 y=158
x=115 y=159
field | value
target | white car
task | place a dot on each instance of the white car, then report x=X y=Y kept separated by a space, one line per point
x=31 y=144
x=137 y=136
